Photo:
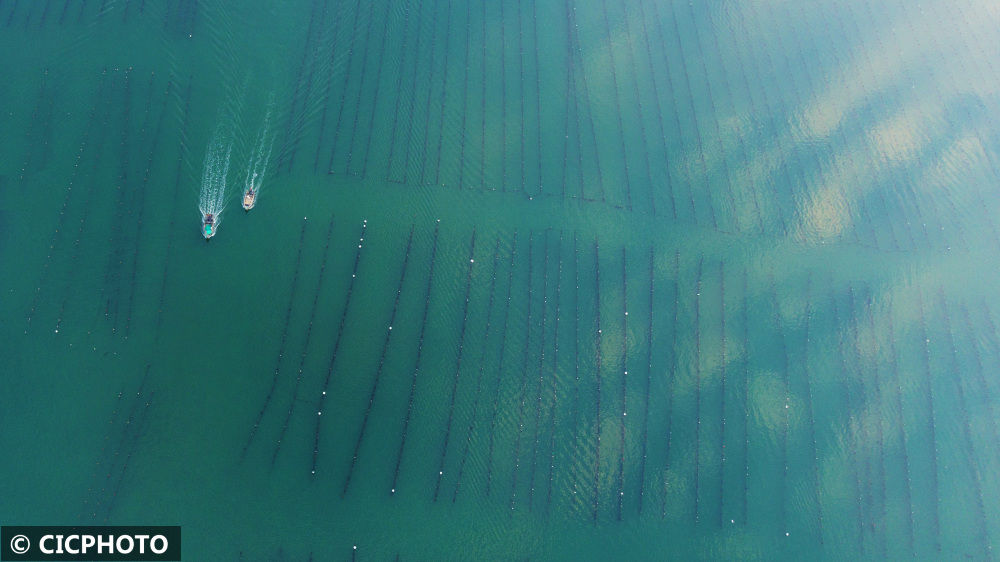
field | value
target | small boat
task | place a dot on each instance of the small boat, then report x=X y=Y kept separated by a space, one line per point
x=208 y=226
x=249 y=198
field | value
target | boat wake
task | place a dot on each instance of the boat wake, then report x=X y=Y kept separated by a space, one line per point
x=212 y=201
x=258 y=162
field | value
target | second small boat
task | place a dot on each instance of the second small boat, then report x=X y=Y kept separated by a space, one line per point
x=249 y=198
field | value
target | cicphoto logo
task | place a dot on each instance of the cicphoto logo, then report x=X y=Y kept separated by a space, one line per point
x=90 y=543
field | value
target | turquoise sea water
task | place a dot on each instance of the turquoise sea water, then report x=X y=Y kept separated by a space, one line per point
x=665 y=280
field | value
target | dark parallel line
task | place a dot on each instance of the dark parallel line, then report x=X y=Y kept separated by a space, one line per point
x=458 y=363
x=403 y=52
x=739 y=130
x=115 y=414
x=788 y=107
x=955 y=224
x=371 y=120
x=779 y=326
x=671 y=372
x=638 y=104
x=409 y=120
x=305 y=346
x=810 y=409
x=416 y=365
x=127 y=425
x=312 y=62
x=465 y=95
x=851 y=438
x=444 y=90
x=43 y=98
x=970 y=451
x=538 y=95
x=555 y=380
x=524 y=368
x=68 y=292
x=624 y=408
x=45 y=13
x=328 y=86
x=541 y=374
x=722 y=391
x=879 y=429
x=281 y=345
x=503 y=99
x=336 y=345
x=297 y=95
x=99 y=98
x=977 y=117
x=140 y=425
x=361 y=85
x=694 y=117
x=597 y=375
x=663 y=134
x=746 y=398
x=648 y=389
x=568 y=97
x=381 y=363
x=62 y=15
x=932 y=424
x=618 y=107
x=479 y=375
x=115 y=260
x=864 y=423
x=343 y=86
x=424 y=156
x=715 y=118
x=79 y=15
x=181 y=159
x=10 y=17
x=521 y=96
x=937 y=91
x=496 y=385
x=482 y=104
x=661 y=36
x=574 y=40
x=697 y=127
x=903 y=439
x=697 y=391
x=572 y=98
x=576 y=355
x=984 y=388
x=875 y=163
x=141 y=204
x=841 y=136
x=750 y=59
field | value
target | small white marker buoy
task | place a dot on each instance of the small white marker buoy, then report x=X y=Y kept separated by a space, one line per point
x=390 y=327
x=320 y=413
x=324 y=393
x=440 y=473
